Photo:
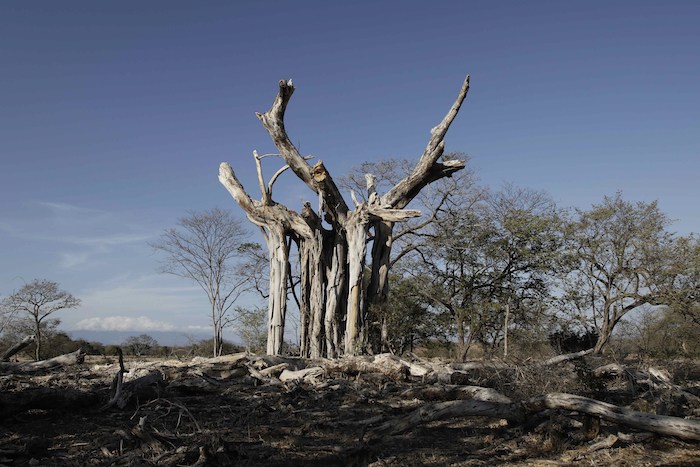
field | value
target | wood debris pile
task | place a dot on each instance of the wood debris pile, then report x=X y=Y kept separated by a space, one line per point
x=247 y=409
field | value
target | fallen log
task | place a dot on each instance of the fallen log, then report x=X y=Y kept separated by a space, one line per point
x=444 y=410
x=308 y=375
x=17 y=347
x=518 y=412
x=453 y=392
x=566 y=357
x=72 y=358
x=661 y=424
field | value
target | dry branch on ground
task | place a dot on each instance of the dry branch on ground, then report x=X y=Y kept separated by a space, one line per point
x=242 y=406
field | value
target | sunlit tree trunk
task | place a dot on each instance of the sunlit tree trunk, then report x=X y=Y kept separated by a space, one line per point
x=336 y=292
x=277 y=304
x=356 y=231
x=312 y=282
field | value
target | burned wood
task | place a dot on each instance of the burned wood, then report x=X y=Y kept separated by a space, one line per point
x=146 y=387
x=45 y=398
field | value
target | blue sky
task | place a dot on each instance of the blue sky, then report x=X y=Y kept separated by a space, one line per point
x=114 y=117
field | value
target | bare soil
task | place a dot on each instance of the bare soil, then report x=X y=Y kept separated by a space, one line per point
x=238 y=421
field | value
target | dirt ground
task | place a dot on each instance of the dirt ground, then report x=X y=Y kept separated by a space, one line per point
x=238 y=421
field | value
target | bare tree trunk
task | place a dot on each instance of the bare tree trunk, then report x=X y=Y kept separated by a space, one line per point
x=669 y=426
x=462 y=341
x=217 y=332
x=312 y=288
x=356 y=230
x=278 y=221
x=304 y=303
x=277 y=304
x=336 y=287
x=378 y=291
x=313 y=280
x=37 y=341
x=505 y=330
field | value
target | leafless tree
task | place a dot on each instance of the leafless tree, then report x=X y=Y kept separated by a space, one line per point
x=39 y=299
x=333 y=259
x=210 y=248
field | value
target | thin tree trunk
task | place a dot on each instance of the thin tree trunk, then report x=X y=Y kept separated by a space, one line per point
x=505 y=330
x=37 y=347
x=304 y=301
x=603 y=338
x=462 y=347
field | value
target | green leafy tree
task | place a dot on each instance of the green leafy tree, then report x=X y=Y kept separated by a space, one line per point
x=251 y=326
x=410 y=320
x=140 y=345
x=622 y=257
x=489 y=262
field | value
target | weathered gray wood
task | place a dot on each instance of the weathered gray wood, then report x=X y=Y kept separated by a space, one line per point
x=17 y=347
x=347 y=240
x=516 y=412
x=308 y=375
x=29 y=367
x=277 y=221
x=665 y=425
x=444 y=410
x=566 y=357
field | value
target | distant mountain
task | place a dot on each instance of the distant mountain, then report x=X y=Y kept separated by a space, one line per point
x=169 y=338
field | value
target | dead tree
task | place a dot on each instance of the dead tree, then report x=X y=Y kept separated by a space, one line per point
x=27 y=341
x=333 y=260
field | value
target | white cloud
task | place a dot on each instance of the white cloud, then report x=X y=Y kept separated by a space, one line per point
x=199 y=328
x=123 y=323
x=71 y=260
